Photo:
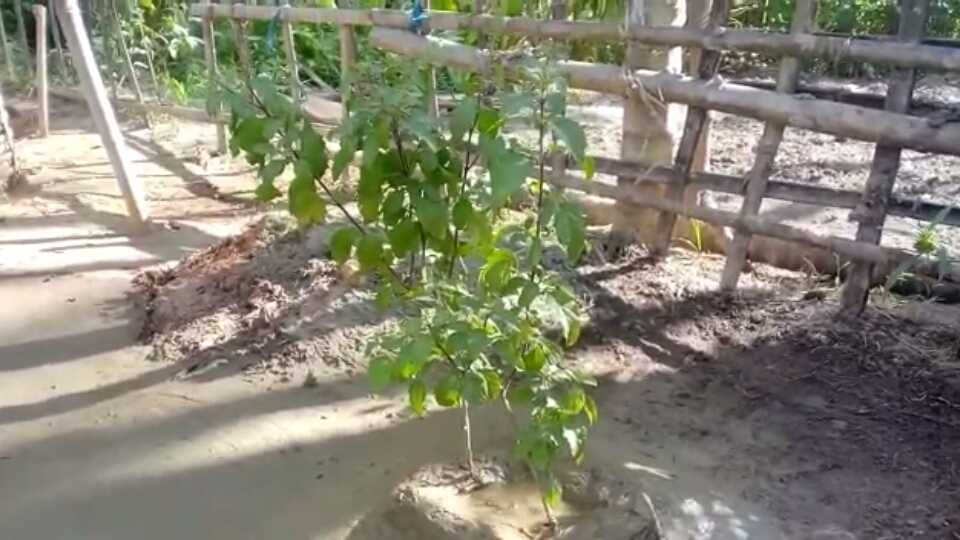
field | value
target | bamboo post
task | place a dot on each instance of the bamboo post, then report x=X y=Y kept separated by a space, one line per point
x=127 y=59
x=872 y=210
x=101 y=111
x=240 y=39
x=648 y=136
x=430 y=81
x=478 y=7
x=210 y=56
x=7 y=54
x=693 y=129
x=348 y=58
x=43 y=92
x=22 y=30
x=57 y=41
x=698 y=18
x=757 y=179
x=558 y=11
x=290 y=50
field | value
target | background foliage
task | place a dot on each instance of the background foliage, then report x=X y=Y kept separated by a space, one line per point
x=165 y=42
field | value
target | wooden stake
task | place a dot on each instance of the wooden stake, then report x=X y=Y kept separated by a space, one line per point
x=101 y=111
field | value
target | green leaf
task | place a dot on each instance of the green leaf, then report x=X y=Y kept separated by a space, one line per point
x=495 y=273
x=574 y=439
x=305 y=203
x=404 y=237
x=341 y=243
x=266 y=192
x=508 y=173
x=393 y=209
x=313 y=151
x=385 y=296
x=343 y=157
x=528 y=295
x=249 y=133
x=520 y=395
x=369 y=192
x=574 y=400
x=494 y=383
x=571 y=134
x=551 y=491
x=589 y=167
x=534 y=359
x=432 y=215
x=379 y=373
x=462 y=213
x=463 y=118
x=447 y=391
x=369 y=252
x=571 y=229
x=489 y=122
x=272 y=169
x=474 y=388
x=418 y=397
x=590 y=409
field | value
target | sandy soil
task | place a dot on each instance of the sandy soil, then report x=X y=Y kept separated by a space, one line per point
x=758 y=412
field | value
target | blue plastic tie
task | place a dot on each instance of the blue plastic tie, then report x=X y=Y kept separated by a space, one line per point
x=418 y=16
x=272 y=31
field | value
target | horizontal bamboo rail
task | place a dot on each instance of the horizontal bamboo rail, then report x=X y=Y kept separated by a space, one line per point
x=822 y=116
x=176 y=111
x=777 y=190
x=800 y=45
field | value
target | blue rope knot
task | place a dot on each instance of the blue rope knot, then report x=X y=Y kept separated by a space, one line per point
x=418 y=16
x=272 y=31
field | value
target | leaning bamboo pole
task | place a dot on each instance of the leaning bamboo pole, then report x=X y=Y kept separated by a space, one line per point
x=799 y=45
x=825 y=117
x=871 y=213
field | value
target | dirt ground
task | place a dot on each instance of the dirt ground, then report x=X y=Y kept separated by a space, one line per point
x=757 y=414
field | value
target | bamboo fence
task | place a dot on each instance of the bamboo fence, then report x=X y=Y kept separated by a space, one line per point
x=893 y=123
x=886 y=124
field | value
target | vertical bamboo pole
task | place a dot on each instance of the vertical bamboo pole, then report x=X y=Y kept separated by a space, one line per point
x=693 y=130
x=289 y=48
x=22 y=31
x=101 y=111
x=348 y=58
x=43 y=91
x=57 y=40
x=698 y=16
x=210 y=56
x=649 y=123
x=872 y=210
x=478 y=7
x=240 y=39
x=558 y=11
x=756 y=180
x=7 y=54
x=127 y=59
x=430 y=82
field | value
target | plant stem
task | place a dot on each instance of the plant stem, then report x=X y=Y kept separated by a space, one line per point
x=468 y=439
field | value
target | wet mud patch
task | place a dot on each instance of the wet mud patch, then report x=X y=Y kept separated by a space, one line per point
x=500 y=501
